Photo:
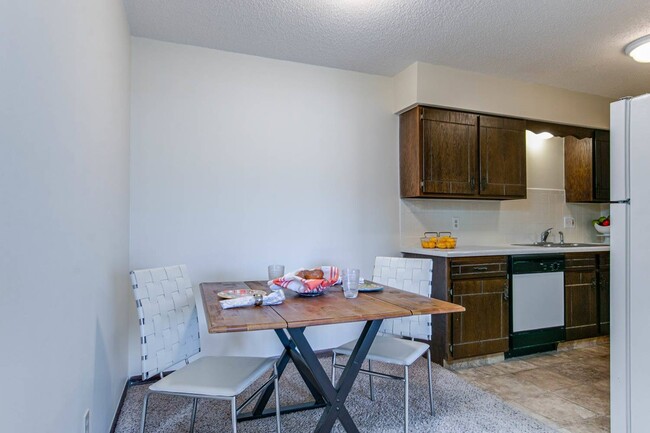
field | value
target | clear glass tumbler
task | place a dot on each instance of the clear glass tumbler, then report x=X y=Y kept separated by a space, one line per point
x=276 y=271
x=350 y=279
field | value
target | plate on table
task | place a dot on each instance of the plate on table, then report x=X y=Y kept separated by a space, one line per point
x=238 y=293
x=311 y=294
x=370 y=287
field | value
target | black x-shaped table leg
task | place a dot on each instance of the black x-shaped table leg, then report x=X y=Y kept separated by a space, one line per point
x=317 y=380
x=289 y=353
x=336 y=396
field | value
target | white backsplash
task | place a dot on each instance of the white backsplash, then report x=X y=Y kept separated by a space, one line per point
x=500 y=222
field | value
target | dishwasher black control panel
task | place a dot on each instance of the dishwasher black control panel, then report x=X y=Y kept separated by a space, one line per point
x=535 y=264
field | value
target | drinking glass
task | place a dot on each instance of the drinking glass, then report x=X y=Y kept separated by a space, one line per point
x=276 y=271
x=350 y=279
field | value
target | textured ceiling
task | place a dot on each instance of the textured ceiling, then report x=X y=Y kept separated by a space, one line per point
x=573 y=44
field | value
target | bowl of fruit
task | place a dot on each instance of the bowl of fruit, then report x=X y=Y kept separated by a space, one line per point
x=602 y=225
x=446 y=241
x=430 y=240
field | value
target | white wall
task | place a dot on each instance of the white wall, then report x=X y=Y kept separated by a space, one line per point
x=239 y=162
x=442 y=86
x=64 y=147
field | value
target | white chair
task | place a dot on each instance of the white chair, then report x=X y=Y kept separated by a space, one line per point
x=413 y=275
x=169 y=334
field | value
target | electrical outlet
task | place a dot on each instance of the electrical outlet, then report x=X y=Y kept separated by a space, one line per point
x=569 y=223
x=455 y=223
x=86 y=421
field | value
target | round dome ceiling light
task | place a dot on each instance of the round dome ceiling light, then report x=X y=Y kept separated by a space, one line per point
x=639 y=50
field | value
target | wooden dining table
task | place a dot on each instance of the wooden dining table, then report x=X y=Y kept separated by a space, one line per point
x=289 y=321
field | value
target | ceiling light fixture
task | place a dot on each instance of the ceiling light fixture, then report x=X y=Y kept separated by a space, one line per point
x=639 y=50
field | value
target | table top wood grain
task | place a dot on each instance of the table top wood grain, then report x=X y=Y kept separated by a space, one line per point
x=236 y=319
x=330 y=308
x=417 y=304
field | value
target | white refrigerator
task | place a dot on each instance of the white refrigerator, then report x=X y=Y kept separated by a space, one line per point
x=630 y=264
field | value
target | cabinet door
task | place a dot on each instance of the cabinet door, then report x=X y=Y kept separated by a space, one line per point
x=601 y=165
x=502 y=148
x=581 y=304
x=603 y=293
x=483 y=328
x=448 y=152
x=578 y=169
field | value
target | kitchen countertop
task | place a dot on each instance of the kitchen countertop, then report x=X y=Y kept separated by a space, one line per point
x=501 y=250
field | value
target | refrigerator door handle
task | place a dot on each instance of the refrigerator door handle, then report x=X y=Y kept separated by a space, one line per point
x=626 y=201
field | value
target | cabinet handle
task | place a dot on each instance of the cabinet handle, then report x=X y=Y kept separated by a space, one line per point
x=472 y=183
x=483 y=183
x=480 y=268
x=505 y=291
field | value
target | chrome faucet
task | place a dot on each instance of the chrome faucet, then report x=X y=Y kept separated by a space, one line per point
x=561 y=238
x=545 y=234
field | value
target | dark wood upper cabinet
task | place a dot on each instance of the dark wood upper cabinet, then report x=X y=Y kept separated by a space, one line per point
x=452 y=154
x=449 y=152
x=502 y=146
x=578 y=170
x=586 y=168
x=601 y=165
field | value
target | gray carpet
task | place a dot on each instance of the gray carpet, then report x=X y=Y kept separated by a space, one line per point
x=459 y=408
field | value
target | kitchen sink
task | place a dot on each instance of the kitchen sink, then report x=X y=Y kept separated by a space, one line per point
x=558 y=245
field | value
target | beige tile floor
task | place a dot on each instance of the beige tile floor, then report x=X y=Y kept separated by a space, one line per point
x=568 y=389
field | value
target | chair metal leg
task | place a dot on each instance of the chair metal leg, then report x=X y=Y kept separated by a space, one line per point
x=372 y=389
x=333 y=368
x=406 y=399
x=430 y=381
x=277 y=399
x=233 y=410
x=195 y=402
x=144 y=411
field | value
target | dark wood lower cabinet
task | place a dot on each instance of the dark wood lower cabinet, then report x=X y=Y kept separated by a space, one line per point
x=483 y=328
x=603 y=293
x=581 y=296
x=480 y=284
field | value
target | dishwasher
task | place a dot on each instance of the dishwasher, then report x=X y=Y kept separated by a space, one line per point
x=536 y=303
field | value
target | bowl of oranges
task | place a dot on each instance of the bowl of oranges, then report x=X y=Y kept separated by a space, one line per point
x=441 y=240
x=429 y=240
x=446 y=241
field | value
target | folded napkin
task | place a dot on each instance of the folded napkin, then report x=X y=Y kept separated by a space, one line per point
x=273 y=298
x=299 y=285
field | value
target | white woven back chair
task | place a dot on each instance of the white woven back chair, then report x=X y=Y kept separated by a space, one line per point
x=413 y=275
x=169 y=334
x=169 y=327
